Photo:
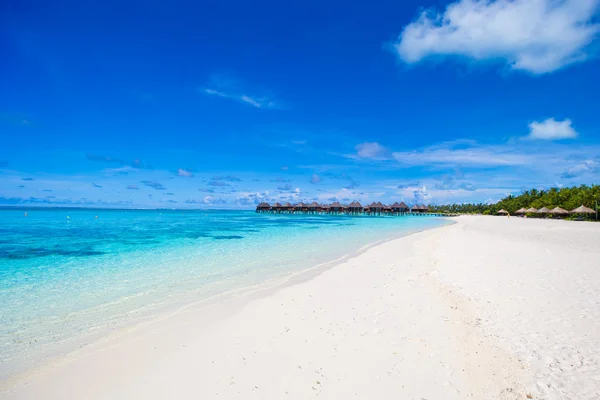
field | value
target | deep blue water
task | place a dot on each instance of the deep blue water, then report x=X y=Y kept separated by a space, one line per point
x=69 y=274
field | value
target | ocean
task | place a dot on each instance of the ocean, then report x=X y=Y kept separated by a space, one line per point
x=67 y=276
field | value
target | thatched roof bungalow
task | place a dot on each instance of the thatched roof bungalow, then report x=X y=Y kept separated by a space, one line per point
x=531 y=210
x=263 y=207
x=300 y=207
x=502 y=212
x=314 y=206
x=402 y=207
x=416 y=209
x=376 y=207
x=521 y=211
x=355 y=207
x=336 y=207
x=543 y=210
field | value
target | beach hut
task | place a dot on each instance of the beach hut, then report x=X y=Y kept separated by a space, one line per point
x=559 y=211
x=521 y=211
x=531 y=210
x=355 y=207
x=502 y=212
x=263 y=207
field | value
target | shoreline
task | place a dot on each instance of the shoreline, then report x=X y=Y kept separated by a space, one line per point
x=57 y=356
x=484 y=308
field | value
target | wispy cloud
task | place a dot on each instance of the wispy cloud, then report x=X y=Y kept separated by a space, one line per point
x=551 y=129
x=96 y=186
x=218 y=183
x=154 y=184
x=582 y=168
x=226 y=178
x=132 y=187
x=314 y=179
x=224 y=86
x=112 y=160
x=185 y=173
x=461 y=153
x=538 y=36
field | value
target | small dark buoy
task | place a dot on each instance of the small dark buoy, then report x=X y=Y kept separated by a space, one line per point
x=25 y=213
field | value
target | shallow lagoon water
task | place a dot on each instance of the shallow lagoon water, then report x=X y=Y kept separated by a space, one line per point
x=62 y=280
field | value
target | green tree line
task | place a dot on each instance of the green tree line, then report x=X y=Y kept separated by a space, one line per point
x=567 y=198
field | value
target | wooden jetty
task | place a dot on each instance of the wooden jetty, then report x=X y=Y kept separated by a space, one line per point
x=354 y=208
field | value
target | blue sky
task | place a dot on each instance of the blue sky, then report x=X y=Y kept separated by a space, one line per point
x=226 y=104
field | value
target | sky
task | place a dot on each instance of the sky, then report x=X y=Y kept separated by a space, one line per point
x=225 y=104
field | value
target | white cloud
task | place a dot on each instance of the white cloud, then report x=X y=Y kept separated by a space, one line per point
x=538 y=36
x=372 y=150
x=551 y=129
x=184 y=173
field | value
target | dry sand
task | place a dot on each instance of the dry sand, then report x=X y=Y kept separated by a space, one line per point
x=487 y=308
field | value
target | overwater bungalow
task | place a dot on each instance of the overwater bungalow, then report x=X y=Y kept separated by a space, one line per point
x=314 y=207
x=336 y=207
x=263 y=207
x=355 y=208
x=400 y=208
x=375 y=208
x=300 y=207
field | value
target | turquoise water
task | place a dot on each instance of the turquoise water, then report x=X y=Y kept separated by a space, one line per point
x=66 y=275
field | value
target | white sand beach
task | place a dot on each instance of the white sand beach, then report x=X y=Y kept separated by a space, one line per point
x=486 y=308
